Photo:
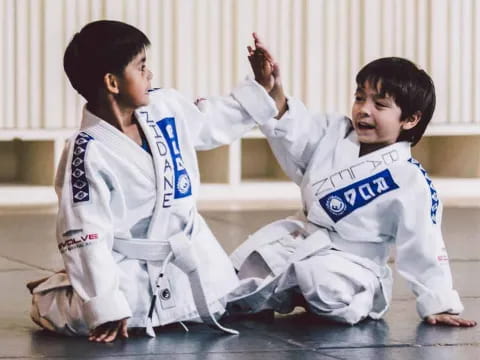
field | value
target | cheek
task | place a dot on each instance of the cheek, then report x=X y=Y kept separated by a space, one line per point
x=354 y=110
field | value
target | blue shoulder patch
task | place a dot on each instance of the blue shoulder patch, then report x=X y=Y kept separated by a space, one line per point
x=79 y=182
x=343 y=202
x=433 y=192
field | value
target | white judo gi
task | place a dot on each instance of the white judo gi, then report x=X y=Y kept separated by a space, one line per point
x=334 y=253
x=126 y=216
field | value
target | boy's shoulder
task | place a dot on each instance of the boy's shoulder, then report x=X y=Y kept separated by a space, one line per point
x=415 y=168
x=414 y=175
x=80 y=144
x=79 y=138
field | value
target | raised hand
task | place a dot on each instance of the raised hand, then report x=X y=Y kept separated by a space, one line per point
x=267 y=73
x=109 y=331
x=262 y=66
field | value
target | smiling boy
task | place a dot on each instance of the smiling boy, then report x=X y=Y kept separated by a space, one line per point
x=362 y=194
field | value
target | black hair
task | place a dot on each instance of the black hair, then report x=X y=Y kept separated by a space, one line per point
x=99 y=48
x=411 y=88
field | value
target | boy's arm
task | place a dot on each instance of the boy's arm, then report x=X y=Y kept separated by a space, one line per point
x=294 y=134
x=216 y=121
x=85 y=240
x=422 y=259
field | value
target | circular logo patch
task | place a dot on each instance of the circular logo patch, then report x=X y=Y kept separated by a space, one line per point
x=183 y=184
x=165 y=294
x=336 y=205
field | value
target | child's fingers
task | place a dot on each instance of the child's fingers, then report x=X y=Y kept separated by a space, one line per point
x=465 y=322
x=102 y=336
x=101 y=332
x=112 y=334
x=96 y=333
x=124 y=329
x=450 y=321
x=256 y=38
x=259 y=45
x=275 y=70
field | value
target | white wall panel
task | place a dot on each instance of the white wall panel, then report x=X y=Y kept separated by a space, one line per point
x=21 y=62
x=198 y=46
x=466 y=66
x=34 y=67
x=454 y=58
x=476 y=62
x=439 y=59
x=3 y=96
x=52 y=70
x=9 y=91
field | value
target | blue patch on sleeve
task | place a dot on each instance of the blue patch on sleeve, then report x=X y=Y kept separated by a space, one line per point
x=433 y=191
x=343 y=202
x=79 y=182
x=183 y=187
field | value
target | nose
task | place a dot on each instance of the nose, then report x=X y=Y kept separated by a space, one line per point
x=150 y=74
x=365 y=109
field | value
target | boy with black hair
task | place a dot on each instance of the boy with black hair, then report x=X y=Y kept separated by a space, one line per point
x=362 y=193
x=137 y=253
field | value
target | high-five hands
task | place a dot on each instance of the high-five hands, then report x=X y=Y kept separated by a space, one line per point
x=267 y=73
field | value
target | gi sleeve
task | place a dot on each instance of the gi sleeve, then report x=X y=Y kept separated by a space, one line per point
x=294 y=137
x=216 y=121
x=421 y=254
x=85 y=232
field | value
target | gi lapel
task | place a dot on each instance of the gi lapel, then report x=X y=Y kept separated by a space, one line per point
x=172 y=179
x=118 y=142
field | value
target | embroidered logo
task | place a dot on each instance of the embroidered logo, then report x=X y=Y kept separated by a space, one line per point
x=433 y=191
x=79 y=182
x=182 y=184
x=343 y=202
x=336 y=205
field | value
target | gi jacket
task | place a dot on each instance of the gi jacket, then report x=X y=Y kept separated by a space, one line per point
x=111 y=191
x=368 y=203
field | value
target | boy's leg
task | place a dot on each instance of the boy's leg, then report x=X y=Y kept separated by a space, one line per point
x=335 y=287
x=57 y=307
x=259 y=275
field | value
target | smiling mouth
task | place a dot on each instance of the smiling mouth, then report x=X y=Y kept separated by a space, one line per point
x=365 y=126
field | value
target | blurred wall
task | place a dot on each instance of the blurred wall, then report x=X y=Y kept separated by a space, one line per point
x=198 y=46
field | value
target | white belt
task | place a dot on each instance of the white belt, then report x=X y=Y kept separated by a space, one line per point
x=141 y=249
x=265 y=236
x=177 y=250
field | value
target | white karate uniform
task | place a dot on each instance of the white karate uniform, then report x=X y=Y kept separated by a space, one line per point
x=334 y=253
x=125 y=216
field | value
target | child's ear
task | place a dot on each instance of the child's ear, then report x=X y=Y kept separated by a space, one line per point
x=111 y=83
x=411 y=121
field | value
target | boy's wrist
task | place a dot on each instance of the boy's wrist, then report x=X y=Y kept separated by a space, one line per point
x=282 y=105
